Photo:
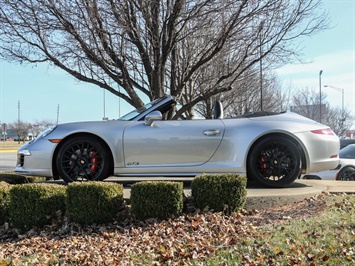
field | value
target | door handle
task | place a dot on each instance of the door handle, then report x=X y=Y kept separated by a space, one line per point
x=211 y=132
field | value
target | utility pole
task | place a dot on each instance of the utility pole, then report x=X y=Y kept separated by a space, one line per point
x=261 y=65
x=19 y=133
x=104 y=117
x=57 y=114
x=320 y=96
x=18 y=112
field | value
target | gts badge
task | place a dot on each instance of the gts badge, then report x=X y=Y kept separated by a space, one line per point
x=133 y=163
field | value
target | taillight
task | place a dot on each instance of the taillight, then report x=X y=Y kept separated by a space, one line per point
x=324 y=131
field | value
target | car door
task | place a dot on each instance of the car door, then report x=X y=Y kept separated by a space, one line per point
x=172 y=142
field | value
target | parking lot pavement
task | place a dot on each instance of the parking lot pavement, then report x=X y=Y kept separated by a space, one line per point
x=7 y=160
x=332 y=186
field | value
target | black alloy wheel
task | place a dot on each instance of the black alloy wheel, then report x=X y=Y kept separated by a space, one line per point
x=83 y=158
x=347 y=174
x=274 y=162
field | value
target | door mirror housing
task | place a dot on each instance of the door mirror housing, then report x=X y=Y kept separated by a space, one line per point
x=153 y=116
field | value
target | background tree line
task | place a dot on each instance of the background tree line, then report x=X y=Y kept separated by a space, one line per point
x=195 y=50
x=25 y=130
x=304 y=102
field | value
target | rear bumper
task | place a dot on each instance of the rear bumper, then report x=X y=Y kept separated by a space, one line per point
x=322 y=151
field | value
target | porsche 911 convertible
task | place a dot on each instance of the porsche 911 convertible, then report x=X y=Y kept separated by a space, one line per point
x=273 y=149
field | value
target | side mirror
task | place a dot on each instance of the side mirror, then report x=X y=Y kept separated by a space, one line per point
x=153 y=116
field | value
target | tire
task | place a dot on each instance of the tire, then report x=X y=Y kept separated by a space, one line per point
x=274 y=162
x=347 y=174
x=83 y=158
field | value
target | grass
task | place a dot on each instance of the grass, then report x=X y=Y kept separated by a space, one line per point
x=328 y=239
x=10 y=145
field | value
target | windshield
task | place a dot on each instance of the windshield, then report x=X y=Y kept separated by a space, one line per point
x=131 y=115
x=348 y=152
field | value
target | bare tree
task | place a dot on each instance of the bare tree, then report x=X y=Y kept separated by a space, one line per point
x=139 y=47
x=248 y=98
x=306 y=102
x=39 y=126
x=255 y=37
x=338 y=121
x=21 y=129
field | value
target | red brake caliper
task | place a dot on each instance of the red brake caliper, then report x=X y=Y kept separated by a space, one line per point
x=263 y=164
x=94 y=160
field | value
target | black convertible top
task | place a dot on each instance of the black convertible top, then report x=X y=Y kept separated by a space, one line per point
x=259 y=113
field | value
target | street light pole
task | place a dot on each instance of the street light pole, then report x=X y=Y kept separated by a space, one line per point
x=342 y=99
x=261 y=65
x=320 y=96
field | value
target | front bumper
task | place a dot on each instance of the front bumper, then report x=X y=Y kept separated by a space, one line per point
x=35 y=159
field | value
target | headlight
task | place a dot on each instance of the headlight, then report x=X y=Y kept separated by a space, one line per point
x=23 y=152
x=46 y=132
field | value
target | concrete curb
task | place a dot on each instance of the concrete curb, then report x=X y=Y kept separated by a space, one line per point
x=261 y=197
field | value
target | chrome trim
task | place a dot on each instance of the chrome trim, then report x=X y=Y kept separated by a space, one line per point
x=24 y=152
x=212 y=132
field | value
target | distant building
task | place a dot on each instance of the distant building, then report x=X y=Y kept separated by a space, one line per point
x=12 y=135
x=351 y=132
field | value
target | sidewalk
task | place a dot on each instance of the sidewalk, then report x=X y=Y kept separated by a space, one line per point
x=258 y=198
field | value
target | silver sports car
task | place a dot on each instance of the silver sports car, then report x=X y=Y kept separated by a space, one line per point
x=273 y=149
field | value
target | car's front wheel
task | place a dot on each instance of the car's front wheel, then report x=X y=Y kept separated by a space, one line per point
x=274 y=162
x=347 y=174
x=83 y=158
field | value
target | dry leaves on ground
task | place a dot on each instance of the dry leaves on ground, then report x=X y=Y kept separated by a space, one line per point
x=193 y=236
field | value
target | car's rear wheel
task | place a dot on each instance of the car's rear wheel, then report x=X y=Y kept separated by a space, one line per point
x=83 y=158
x=347 y=173
x=274 y=161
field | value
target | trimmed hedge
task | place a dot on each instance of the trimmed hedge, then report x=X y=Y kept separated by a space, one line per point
x=220 y=192
x=156 y=199
x=29 y=205
x=4 y=201
x=35 y=204
x=94 y=202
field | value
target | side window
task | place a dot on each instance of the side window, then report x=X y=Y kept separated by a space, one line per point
x=168 y=111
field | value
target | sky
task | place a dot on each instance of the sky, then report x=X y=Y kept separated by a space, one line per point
x=36 y=93
x=333 y=52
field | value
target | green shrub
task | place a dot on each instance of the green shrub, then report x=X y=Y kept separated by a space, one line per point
x=35 y=204
x=4 y=201
x=94 y=202
x=220 y=192
x=156 y=199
